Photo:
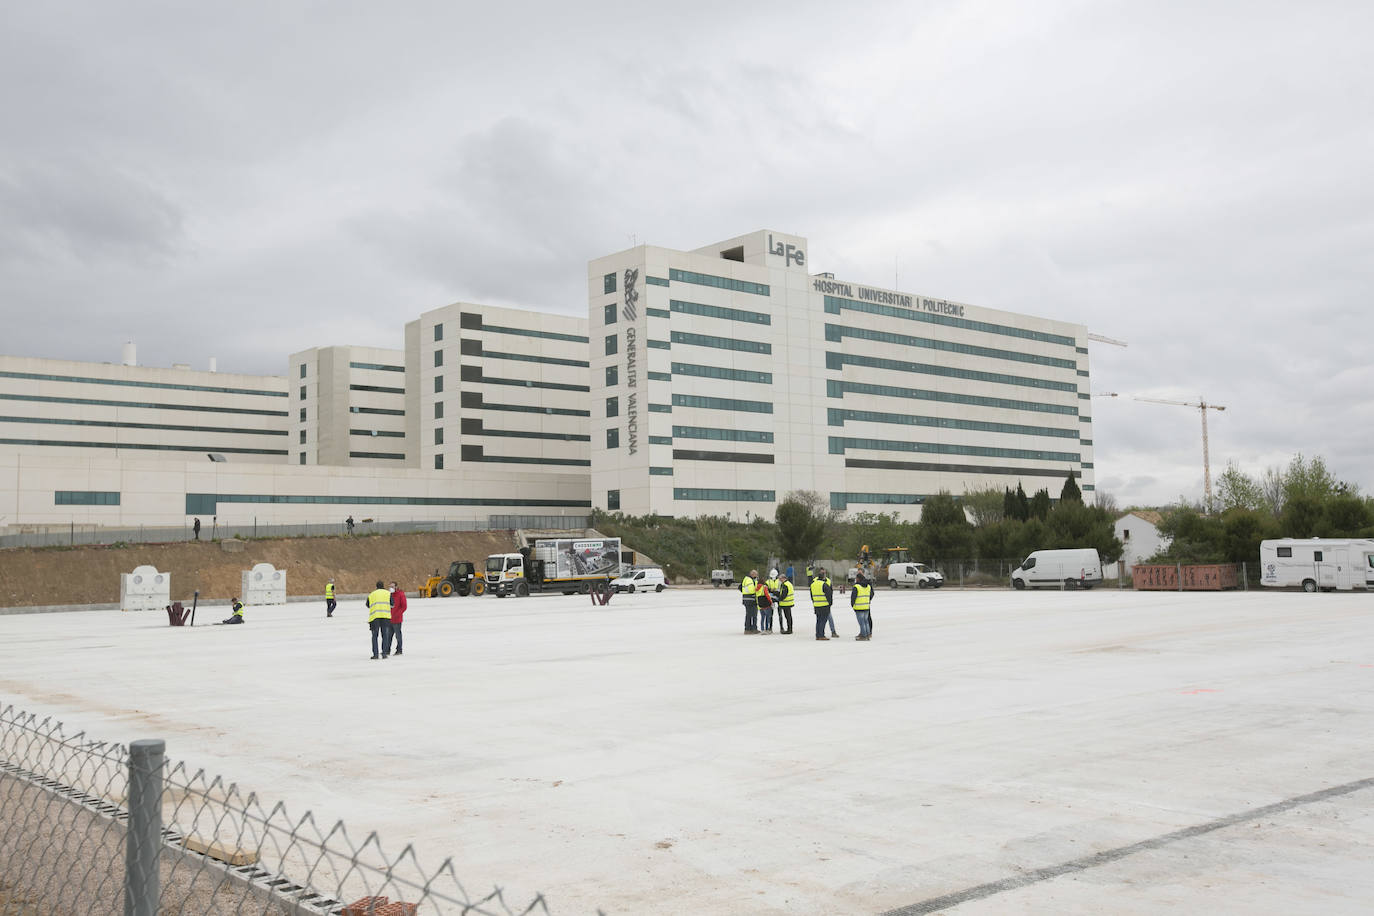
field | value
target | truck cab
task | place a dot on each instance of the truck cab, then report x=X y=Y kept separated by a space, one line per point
x=505 y=575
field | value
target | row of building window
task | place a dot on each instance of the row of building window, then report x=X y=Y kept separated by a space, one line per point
x=660 y=440
x=841 y=501
x=837 y=362
x=834 y=304
x=530 y=358
x=382 y=411
x=208 y=503
x=144 y=446
x=691 y=400
x=715 y=495
x=838 y=416
x=169 y=427
x=718 y=311
x=838 y=445
x=658 y=313
x=660 y=472
x=837 y=333
x=130 y=383
x=390 y=456
x=380 y=389
x=837 y=388
x=142 y=405
x=720 y=372
x=378 y=366
x=86 y=498
x=659 y=344
x=721 y=343
x=475 y=401
x=723 y=435
x=660 y=376
x=655 y=281
x=530 y=332
x=942 y=467
x=738 y=286
x=388 y=433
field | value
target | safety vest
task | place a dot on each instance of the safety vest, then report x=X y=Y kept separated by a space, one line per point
x=329 y=590
x=773 y=585
x=238 y=609
x=748 y=588
x=789 y=595
x=818 y=598
x=379 y=605
x=863 y=595
x=810 y=573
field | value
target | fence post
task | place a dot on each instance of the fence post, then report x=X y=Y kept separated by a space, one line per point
x=1179 y=568
x=1245 y=575
x=144 y=840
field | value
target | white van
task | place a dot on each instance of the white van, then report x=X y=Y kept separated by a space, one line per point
x=640 y=580
x=917 y=574
x=1077 y=567
x=1328 y=564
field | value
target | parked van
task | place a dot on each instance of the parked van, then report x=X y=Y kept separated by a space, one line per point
x=1329 y=564
x=917 y=574
x=640 y=580
x=1077 y=567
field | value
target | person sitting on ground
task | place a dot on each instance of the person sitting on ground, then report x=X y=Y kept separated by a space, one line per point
x=237 y=615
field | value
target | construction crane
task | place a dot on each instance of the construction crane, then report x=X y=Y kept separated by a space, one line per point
x=1202 y=406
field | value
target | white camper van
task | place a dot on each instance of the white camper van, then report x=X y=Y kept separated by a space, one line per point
x=1078 y=567
x=1329 y=564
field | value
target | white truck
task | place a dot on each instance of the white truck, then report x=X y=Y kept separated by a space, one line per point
x=914 y=574
x=1312 y=564
x=1074 y=567
x=569 y=565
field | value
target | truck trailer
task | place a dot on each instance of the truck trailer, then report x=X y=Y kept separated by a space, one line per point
x=567 y=565
x=1312 y=564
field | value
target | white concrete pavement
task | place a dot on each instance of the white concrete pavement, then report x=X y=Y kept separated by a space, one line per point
x=646 y=757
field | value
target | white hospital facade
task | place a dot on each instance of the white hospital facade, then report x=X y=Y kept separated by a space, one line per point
x=705 y=382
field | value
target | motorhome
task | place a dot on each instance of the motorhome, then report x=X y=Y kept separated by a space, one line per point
x=1078 y=567
x=1312 y=564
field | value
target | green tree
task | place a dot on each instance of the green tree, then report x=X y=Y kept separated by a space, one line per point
x=944 y=529
x=1243 y=529
x=1347 y=516
x=1309 y=479
x=800 y=528
x=1072 y=524
x=1194 y=537
x=1302 y=516
x=1237 y=490
x=1040 y=504
x=1070 y=492
x=985 y=506
x=998 y=541
x=1022 y=504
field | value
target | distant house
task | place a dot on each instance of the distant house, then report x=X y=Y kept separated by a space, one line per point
x=1138 y=531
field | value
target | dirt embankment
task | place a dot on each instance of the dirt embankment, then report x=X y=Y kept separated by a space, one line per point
x=90 y=575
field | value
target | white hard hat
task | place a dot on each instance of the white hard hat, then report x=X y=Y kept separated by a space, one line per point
x=773 y=573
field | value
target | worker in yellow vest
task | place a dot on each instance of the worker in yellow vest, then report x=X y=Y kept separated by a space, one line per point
x=379 y=619
x=861 y=599
x=329 y=598
x=749 y=594
x=822 y=595
x=787 y=597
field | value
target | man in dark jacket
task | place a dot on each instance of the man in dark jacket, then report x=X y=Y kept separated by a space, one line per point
x=822 y=598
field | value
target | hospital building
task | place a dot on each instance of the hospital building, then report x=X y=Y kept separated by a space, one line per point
x=713 y=381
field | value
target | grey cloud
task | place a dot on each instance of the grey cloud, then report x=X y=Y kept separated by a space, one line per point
x=85 y=210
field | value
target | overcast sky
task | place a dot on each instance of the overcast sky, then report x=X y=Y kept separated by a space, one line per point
x=244 y=180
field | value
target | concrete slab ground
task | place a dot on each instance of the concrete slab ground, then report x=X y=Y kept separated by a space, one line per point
x=988 y=752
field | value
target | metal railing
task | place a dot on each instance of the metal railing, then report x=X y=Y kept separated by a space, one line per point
x=73 y=535
x=92 y=827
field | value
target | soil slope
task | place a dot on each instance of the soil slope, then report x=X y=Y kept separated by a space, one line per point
x=90 y=575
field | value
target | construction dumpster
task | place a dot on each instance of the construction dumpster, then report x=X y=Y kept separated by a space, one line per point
x=1210 y=577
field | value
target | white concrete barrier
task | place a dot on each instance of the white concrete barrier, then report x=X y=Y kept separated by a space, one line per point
x=263 y=584
x=145 y=589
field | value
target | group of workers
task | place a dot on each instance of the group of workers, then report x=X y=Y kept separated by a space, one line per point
x=386 y=611
x=761 y=596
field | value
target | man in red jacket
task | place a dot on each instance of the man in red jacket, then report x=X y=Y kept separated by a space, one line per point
x=398 y=613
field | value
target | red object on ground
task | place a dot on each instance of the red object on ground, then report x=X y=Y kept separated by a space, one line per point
x=365 y=906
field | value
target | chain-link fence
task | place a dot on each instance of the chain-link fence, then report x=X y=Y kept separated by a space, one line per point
x=88 y=827
x=227 y=528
